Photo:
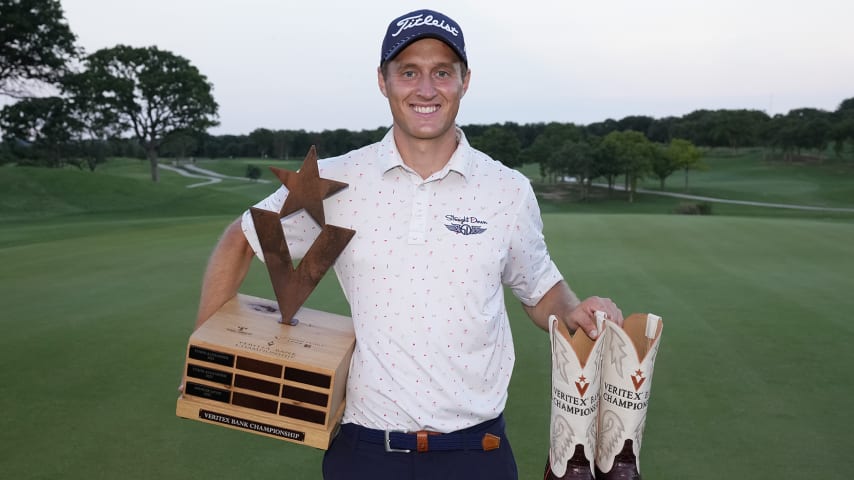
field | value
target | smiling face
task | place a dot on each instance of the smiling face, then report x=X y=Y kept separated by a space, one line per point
x=424 y=85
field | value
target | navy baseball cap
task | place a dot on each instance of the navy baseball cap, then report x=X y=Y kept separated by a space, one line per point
x=420 y=24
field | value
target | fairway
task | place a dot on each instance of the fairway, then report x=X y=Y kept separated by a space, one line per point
x=98 y=299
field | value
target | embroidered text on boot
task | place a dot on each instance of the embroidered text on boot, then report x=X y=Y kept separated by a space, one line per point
x=572 y=404
x=625 y=398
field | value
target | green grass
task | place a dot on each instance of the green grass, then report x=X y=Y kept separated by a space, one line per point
x=750 y=175
x=101 y=274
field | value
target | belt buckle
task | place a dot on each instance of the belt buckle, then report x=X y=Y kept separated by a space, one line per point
x=388 y=443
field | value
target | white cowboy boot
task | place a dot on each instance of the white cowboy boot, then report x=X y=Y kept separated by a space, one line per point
x=626 y=381
x=576 y=372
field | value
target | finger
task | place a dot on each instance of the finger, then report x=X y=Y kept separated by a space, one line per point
x=612 y=312
x=588 y=325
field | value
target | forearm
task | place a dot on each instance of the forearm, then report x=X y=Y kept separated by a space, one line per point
x=225 y=272
x=560 y=300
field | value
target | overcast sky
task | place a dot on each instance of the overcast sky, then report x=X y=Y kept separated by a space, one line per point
x=311 y=64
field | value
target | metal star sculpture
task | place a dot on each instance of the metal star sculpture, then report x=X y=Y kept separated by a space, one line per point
x=306 y=189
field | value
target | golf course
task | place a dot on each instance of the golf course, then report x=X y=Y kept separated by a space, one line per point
x=101 y=274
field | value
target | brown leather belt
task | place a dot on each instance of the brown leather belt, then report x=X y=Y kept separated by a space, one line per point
x=427 y=441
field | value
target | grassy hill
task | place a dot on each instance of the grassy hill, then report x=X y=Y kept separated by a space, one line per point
x=101 y=272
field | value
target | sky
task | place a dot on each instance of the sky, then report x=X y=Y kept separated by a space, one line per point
x=311 y=64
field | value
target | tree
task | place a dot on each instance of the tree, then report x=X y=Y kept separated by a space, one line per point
x=263 y=139
x=550 y=140
x=660 y=130
x=813 y=128
x=638 y=123
x=36 y=45
x=179 y=144
x=843 y=125
x=802 y=128
x=576 y=159
x=633 y=152
x=149 y=92
x=500 y=144
x=40 y=130
x=663 y=165
x=684 y=155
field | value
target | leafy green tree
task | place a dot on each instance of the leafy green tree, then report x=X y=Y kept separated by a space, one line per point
x=812 y=128
x=280 y=143
x=263 y=139
x=576 y=159
x=550 y=140
x=607 y=161
x=600 y=129
x=148 y=92
x=843 y=125
x=682 y=154
x=638 y=123
x=335 y=142
x=660 y=130
x=40 y=130
x=802 y=128
x=499 y=143
x=179 y=144
x=662 y=165
x=53 y=132
x=36 y=45
x=633 y=153
x=744 y=127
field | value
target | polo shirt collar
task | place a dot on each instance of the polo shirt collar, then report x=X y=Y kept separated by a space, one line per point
x=460 y=161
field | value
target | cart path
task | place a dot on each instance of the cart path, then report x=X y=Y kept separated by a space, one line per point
x=210 y=177
x=736 y=202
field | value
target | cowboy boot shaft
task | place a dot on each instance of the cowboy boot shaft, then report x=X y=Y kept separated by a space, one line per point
x=626 y=386
x=576 y=367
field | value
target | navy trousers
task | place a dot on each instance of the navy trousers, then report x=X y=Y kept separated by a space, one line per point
x=352 y=458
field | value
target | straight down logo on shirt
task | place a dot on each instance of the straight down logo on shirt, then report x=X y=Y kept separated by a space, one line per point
x=465 y=225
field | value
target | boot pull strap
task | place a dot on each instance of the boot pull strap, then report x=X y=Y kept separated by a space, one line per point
x=652 y=325
x=600 y=320
x=652 y=322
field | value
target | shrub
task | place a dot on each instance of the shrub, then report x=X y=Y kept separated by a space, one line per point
x=694 y=208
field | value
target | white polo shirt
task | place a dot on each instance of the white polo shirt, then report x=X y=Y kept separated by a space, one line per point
x=424 y=278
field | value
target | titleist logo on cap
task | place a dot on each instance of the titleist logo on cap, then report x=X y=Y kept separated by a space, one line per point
x=420 y=19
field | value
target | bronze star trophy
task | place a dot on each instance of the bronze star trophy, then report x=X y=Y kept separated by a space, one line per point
x=275 y=368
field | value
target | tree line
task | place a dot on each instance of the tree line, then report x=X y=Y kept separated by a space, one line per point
x=80 y=109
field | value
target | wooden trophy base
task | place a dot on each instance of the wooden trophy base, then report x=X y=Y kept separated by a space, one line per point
x=247 y=371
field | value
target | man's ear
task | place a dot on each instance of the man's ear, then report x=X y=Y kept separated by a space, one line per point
x=466 y=83
x=381 y=81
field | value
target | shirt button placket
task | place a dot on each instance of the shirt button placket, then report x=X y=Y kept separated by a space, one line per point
x=418 y=222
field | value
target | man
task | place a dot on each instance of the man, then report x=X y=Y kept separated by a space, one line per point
x=440 y=229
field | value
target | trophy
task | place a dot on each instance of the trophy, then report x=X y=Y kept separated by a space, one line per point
x=576 y=379
x=276 y=368
x=600 y=396
x=626 y=387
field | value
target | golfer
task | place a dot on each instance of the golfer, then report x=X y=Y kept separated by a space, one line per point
x=441 y=229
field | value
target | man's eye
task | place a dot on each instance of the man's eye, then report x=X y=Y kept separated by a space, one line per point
x=443 y=74
x=409 y=74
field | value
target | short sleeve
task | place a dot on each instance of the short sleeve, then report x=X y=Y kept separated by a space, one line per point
x=529 y=271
